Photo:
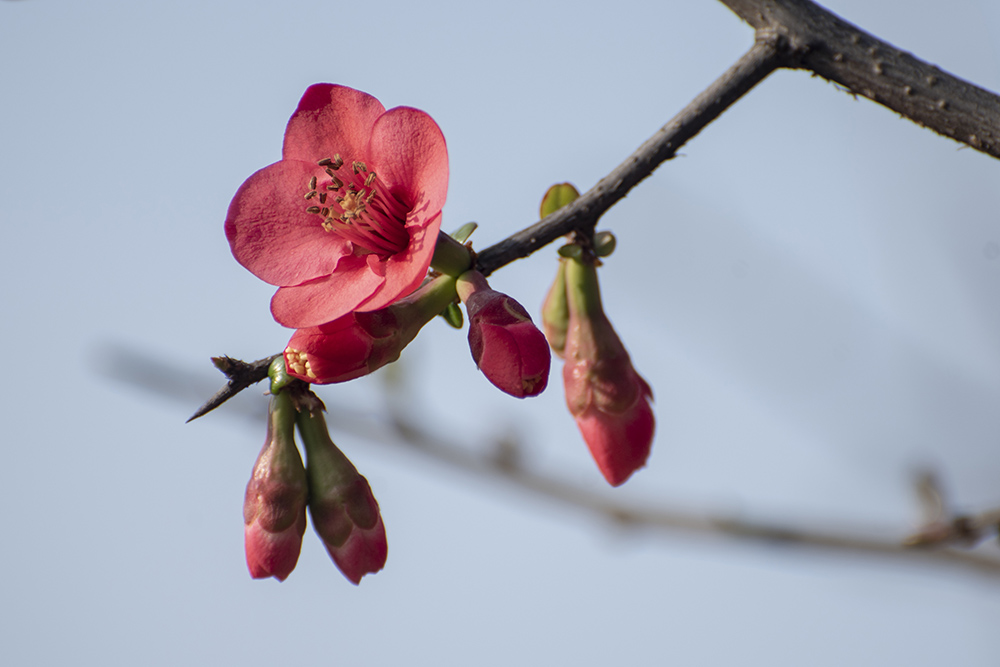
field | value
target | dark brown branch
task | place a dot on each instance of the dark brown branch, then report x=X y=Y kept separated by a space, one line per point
x=761 y=60
x=866 y=65
x=765 y=56
x=240 y=374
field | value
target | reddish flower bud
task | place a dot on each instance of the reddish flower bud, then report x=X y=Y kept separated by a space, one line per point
x=344 y=512
x=506 y=346
x=360 y=343
x=605 y=394
x=274 y=509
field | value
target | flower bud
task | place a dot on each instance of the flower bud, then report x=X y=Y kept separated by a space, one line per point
x=360 y=343
x=344 y=512
x=506 y=346
x=609 y=400
x=274 y=508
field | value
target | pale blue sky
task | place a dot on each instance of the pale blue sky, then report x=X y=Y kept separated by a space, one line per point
x=811 y=290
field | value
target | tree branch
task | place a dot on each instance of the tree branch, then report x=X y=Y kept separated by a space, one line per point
x=761 y=60
x=789 y=33
x=766 y=55
x=864 y=64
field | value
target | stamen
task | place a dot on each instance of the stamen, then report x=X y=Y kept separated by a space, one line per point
x=298 y=361
x=361 y=209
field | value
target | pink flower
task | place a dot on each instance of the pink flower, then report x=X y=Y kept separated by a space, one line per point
x=344 y=512
x=360 y=343
x=506 y=346
x=274 y=509
x=348 y=219
x=608 y=398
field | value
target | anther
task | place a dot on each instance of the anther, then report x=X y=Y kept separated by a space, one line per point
x=370 y=179
x=359 y=167
x=338 y=162
x=325 y=212
x=311 y=194
x=324 y=162
x=312 y=209
x=312 y=183
x=330 y=172
x=322 y=198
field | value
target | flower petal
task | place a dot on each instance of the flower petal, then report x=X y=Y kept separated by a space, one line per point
x=270 y=232
x=328 y=297
x=408 y=150
x=331 y=119
x=404 y=271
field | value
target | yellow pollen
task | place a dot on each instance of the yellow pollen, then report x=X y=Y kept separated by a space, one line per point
x=298 y=361
x=352 y=204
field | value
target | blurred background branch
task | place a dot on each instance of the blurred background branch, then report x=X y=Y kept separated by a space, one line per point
x=502 y=460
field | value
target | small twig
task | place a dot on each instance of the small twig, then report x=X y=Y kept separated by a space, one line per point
x=241 y=375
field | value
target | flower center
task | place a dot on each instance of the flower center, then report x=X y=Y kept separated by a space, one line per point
x=357 y=205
